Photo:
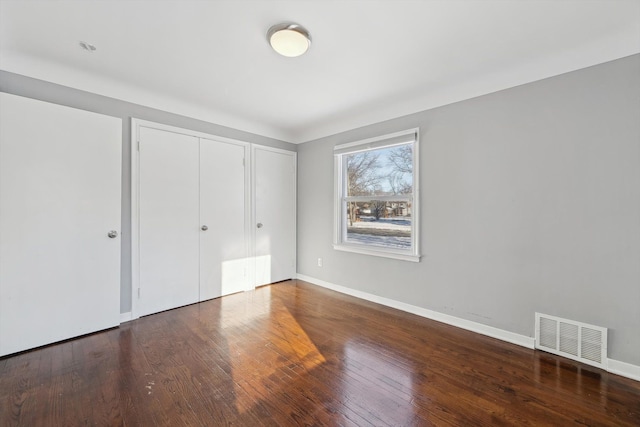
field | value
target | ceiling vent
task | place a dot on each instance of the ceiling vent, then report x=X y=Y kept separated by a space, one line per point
x=574 y=340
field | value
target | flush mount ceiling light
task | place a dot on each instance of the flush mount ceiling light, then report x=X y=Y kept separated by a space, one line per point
x=289 y=39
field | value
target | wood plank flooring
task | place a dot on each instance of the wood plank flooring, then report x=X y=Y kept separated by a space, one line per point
x=296 y=354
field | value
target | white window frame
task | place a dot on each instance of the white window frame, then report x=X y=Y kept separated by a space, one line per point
x=340 y=223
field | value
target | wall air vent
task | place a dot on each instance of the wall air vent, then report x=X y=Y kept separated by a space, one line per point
x=575 y=340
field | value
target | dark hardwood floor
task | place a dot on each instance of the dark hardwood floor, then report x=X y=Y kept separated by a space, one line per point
x=296 y=354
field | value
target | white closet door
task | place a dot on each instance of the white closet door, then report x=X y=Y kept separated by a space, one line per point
x=275 y=214
x=168 y=220
x=60 y=181
x=223 y=245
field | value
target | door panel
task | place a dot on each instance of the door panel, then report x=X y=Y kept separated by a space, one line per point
x=187 y=182
x=168 y=220
x=223 y=246
x=275 y=227
x=60 y=183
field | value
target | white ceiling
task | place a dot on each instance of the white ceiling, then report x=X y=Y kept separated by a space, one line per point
x=369 y=61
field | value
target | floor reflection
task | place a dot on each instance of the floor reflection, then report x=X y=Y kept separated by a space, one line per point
x=388 y=387
x=246 y=308
x=265 y=367
x=294 y=354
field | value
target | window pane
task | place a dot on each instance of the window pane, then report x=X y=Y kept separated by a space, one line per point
x=379 y=223
x=382 y=172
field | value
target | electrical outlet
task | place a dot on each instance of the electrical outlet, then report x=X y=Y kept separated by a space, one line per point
x=319 y=262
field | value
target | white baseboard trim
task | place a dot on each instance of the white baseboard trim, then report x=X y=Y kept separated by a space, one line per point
x=624 y=369
x=125 y=317
x=469 y=325
x=613 y=366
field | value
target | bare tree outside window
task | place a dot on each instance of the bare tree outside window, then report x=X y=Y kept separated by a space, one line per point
x=363 y=173
x=372 y=219
x=363 y=178
x=402 y=159
x=376 y=196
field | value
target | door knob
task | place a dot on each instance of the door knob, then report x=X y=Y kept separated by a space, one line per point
x=259 y=225
x=112 y=234
x=204 y=228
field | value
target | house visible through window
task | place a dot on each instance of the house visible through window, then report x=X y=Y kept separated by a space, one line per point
x=376 y=196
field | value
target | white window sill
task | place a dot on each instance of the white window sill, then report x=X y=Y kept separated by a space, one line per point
x=381 y=252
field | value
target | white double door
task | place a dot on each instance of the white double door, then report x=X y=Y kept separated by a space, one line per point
x=193 y=219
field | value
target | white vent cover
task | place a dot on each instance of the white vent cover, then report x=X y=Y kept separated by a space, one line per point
x=575 y=340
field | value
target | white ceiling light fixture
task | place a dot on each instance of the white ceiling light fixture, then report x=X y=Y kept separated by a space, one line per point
x=289 y=39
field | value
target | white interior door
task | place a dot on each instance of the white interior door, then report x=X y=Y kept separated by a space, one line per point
x=223 y=243
x=60 y=180
x=275 y=214
x=168 y=210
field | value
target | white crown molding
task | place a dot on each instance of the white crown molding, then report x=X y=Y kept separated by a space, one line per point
x=55 y=73
x=600 y=52
x=614 y=47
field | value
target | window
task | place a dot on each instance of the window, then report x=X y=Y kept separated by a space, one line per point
x=376 y=196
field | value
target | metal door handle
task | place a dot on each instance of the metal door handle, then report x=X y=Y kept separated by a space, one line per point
x=259 y=225
x=204 y=228
x=112 y=234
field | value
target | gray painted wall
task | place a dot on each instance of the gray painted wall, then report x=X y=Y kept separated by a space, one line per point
x=530 y=202
x=45 y=91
